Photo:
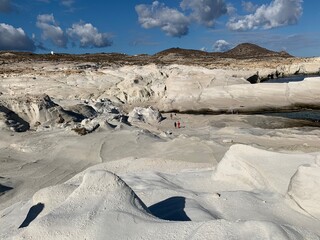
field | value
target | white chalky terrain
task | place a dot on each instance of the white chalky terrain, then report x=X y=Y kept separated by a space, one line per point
x=90 y=154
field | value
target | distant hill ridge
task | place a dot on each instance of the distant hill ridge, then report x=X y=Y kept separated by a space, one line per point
x=169 y=56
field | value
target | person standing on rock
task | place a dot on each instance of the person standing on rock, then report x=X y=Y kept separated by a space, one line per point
x=178 y=124
x=175 y=125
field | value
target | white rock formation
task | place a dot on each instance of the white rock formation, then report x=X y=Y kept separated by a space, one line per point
x=97 y=204
x=304 y=189
x=85 y=213
x=172 y=87
x=34 y=108
x=254 y=168
x=242 y=97
x=250 y=194
x=147 y=115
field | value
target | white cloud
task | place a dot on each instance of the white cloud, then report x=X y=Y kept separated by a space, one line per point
x=171 y=21
x=249 y=6
x=205 y=12
x=231 y=10
x=203 y=49
x=51 y=31
x=85 y=33
x=278 y=13
x=88 y=35
x=67 y=3
x=176 y=22
x=5 y=6
x=221 y=46
x=14 y=39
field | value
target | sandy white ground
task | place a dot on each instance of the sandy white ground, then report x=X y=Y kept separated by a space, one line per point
x=155 y=198
x=177 y=190
x=217 y=177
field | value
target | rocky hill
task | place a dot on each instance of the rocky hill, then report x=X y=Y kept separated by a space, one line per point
x=248 y=50
x=243 y=50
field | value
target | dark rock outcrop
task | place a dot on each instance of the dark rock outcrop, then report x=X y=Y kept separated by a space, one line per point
x=253 y=79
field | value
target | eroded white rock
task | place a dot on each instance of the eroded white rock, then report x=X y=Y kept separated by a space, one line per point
x=147 y=115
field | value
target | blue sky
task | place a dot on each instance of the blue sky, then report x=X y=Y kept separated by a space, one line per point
x=145 y=26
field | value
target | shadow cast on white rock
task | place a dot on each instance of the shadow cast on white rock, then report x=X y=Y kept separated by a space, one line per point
x=32 y=214
x=171 y=209
x=101 y=197
x=100 y=205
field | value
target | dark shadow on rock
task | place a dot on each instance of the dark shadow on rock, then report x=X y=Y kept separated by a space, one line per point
x=162 y=118
x=34 y=211
x=114 y=111
x=13 y=120
x=111 y=125
x=76 y=117
x=123 y=119
x=4 y=189
x=171 y=209
x=253 y=79
x=81 y=110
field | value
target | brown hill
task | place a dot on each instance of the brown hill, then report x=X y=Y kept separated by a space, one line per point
x=242 y=51
x=249 y=50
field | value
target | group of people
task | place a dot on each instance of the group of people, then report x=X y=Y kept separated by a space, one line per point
x=176 y=124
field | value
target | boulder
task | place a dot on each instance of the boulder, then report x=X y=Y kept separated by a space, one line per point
x=147 y=115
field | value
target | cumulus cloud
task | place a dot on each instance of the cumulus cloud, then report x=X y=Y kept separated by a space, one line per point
x=278 y=13
x=51 y=31
x=5 y=6
x=176 y=22
x=84 y=33
x=221 y=46
x=88 y=35
x=205 y=12
x=171 y=21
x=14 y=39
